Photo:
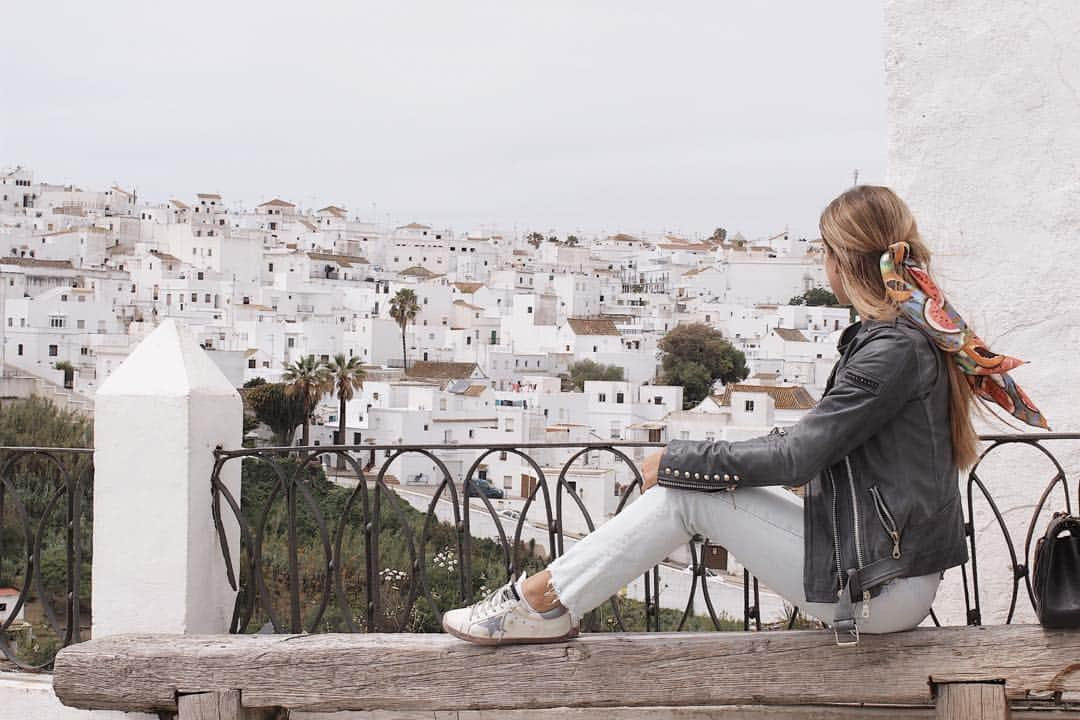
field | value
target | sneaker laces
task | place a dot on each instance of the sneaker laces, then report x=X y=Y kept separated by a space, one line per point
x=495 y=601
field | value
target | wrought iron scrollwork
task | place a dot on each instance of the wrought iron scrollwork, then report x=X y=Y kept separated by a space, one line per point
x=43 y=493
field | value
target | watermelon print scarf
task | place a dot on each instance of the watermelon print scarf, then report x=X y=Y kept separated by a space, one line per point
x=925 y=304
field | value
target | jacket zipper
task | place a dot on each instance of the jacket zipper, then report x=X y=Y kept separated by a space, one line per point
x=692 y=485
x=836 y=535
x=887 y=521
x=859 y=557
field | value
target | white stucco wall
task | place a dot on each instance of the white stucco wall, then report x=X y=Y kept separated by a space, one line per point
x=984 y=144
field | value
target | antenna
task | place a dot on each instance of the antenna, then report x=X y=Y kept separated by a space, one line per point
x=855 y=177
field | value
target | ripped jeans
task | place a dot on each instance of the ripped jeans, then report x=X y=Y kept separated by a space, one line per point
x=761 y=526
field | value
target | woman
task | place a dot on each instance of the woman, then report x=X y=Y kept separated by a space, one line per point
x=879 y=455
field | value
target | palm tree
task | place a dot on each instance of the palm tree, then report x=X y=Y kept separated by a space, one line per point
x=348 y=377
x=307 y=379
x=404 y=307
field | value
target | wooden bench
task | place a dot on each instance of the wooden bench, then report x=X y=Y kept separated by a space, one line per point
x=961 y=671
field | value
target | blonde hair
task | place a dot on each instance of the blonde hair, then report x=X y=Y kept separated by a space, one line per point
x=856 y=228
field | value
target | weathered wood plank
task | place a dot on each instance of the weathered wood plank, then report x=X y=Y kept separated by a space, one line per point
x=722 y=712
x=221 y=705
x=971 y=701
x=429 y=672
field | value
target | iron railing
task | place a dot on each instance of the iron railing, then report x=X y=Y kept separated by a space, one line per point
x=257 y=596
x=285 y=585
x=44 y=534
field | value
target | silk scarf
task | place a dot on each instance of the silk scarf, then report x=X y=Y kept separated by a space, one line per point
x=926 y=305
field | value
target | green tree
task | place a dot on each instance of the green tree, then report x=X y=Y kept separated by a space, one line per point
x=584 y=370
x=69 y=372
x=404 y=307
x=38 y=422
x=255 y=382
x=279 y=410
x=348 y=377
x=572 y=240
x=719 y=236
x=820 y=296
x=534 y=239
x=307 y=379
x=697 y=344
x=693 y=378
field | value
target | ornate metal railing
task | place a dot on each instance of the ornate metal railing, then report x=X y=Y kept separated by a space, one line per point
x=291 y=478
x=1019 y=565
x=349 y=576
x=281 y=606
x=44 y=538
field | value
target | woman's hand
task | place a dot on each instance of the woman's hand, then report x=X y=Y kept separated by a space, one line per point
x=650 y=468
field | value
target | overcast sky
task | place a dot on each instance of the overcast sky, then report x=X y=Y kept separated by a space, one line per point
x=574 y=116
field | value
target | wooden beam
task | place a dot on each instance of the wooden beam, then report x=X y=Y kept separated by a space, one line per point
x=221 y=705
x=719 y=712
x=971 y=701
x=404 y=672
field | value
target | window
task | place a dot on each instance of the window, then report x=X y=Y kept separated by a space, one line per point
x=53 y=350
x=57 y=321
x=602 y=397
x=502 y=455
x=658 y=400
x=19 y=349
x=291 y=342
x=710 y=436
x=207 y=297
x=508 y=482
x=80 y=324
x=271 y=268
x=200 y=276
x=618 y=398
x=251 y=363
x=356 y=438
x=509 y=424
x=616 y=430
x=749 y=406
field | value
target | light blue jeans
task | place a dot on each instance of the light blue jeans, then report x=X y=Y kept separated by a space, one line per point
x=761 y=526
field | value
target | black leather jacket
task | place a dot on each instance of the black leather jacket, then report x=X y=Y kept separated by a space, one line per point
x=883 y=497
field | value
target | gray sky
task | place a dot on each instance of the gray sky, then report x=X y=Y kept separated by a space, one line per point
x=591 y=116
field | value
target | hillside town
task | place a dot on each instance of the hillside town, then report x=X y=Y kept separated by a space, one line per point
x=499 y=320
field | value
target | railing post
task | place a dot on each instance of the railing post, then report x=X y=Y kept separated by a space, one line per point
x=157 y=564
x=971 y=701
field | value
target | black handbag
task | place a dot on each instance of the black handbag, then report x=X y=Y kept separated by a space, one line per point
x=1056 y=573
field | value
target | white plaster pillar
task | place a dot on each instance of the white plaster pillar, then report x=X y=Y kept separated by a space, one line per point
x=984 y=144
x=157 y=563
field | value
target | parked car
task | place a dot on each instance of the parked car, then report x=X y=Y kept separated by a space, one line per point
x=480 y=485
x=510 y=513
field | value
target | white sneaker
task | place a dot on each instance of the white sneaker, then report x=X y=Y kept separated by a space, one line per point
x=502 y=618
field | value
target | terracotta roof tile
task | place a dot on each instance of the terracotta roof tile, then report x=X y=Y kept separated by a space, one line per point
x=791 y=335
x=430 y=370
x=593 y=326
x=786 y=397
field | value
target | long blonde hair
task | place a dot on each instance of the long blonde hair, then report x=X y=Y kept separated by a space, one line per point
x=856 y=228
